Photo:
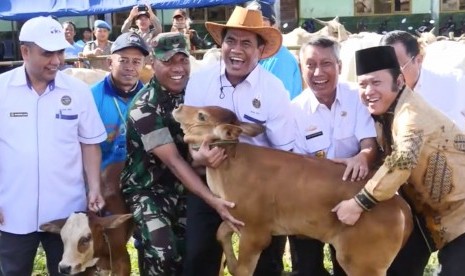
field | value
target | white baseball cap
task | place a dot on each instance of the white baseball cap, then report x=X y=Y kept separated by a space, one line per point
x=45 y=32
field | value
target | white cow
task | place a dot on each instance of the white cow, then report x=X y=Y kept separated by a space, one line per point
x=92 y=76
x=89 y=76
x=347 y=54
x=298 y=36
x=445 y=55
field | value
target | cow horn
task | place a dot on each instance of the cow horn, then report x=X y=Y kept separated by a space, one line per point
x=432 y=30
x=336 y=19
x=418 y=33
x=324 y=23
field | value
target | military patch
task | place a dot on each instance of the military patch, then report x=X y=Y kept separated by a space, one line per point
x=438 y=177
x=407 y=158
x=459 y=142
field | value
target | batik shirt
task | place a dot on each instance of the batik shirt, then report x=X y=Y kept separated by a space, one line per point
x=428 y=153
x=150 y=125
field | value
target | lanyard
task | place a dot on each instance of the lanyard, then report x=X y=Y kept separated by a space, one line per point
x=119 y=111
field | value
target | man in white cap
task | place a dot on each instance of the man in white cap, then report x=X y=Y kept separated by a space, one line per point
x=49 y=153
x=239 y=83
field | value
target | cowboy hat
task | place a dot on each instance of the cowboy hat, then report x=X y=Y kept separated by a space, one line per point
x=252 y=21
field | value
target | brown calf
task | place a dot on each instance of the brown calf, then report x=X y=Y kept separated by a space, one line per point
x=282 y=193
x=92 y=243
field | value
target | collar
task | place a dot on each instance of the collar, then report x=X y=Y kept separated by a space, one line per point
x=216 y=143
x=19 y=77
x=252 y=79
x=314 y=103
x=388 y=116
x=120 y=93
x=163 y=93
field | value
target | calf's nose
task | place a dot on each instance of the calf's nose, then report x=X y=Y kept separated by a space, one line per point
x=64 y=269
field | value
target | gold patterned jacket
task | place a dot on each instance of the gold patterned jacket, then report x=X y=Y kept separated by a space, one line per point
x=428 y=154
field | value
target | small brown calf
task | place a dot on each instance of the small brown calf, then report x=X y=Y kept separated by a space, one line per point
x=282 y=193
x=92 y=243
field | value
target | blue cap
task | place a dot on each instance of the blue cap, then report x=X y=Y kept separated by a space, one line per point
x=102 y=24
x=130 y=40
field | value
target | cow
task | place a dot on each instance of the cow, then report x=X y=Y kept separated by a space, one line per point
x=97 y=242
x=283 y=193
x=93 y=243
x=332 y=28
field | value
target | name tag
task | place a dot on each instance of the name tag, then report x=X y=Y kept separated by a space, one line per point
x=18 y=114
x=66 y=117
x=313 y=135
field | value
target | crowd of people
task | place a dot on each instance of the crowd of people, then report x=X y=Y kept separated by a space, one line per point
x=63 y=143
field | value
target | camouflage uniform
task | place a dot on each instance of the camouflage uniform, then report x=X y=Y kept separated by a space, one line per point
x=154 y=195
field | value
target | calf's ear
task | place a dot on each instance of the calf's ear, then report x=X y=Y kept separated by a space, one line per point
x=251 y=129
x=113 y=221
x=227 y=132
x=53 y=226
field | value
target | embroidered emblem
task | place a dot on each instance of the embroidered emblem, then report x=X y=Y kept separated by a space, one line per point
x=459 y=142
x=311 y=128
x=343 y=113
x=256 y=103
x=66 y=100
x=320 y=154
x=407 y=157
x=438 y=177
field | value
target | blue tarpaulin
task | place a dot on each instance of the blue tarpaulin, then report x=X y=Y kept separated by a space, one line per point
x=25 y=9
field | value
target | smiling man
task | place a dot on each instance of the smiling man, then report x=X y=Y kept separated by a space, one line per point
x=331 y=123
x=424 y=159
x=156 y=174
x=237 y=82
x=112 y=96
x=49 y=153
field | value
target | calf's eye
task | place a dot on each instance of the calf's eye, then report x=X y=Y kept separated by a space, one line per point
x=201 y=116
x=85 y=239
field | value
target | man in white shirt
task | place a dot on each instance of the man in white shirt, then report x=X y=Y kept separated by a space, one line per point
x=443 y=90
x=50 y=132
x=331 y=122
x=238 y=83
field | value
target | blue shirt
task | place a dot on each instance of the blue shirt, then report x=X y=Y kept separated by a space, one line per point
x=106 y=99
x=284 y=66
x=73 y=51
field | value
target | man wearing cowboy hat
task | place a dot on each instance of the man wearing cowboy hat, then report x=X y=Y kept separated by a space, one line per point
x=238 y=83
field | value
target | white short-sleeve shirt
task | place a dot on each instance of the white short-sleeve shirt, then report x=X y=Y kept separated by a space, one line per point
x=261 y=98
x=41 y=170
x=336 y=131
x=444 y=90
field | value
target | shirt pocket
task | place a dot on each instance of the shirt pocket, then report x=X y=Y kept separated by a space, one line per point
x=346 y=146
x=66 y=125
x=255 y=118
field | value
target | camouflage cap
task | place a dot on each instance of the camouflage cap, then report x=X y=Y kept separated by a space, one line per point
x=166 y=45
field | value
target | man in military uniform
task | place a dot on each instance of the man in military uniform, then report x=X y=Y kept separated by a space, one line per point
x=156 y=171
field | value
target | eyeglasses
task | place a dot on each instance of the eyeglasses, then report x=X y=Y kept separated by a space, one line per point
x=402 y=68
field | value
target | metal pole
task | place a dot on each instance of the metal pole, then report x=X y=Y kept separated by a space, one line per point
x=277 y=9
x=435 y=15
